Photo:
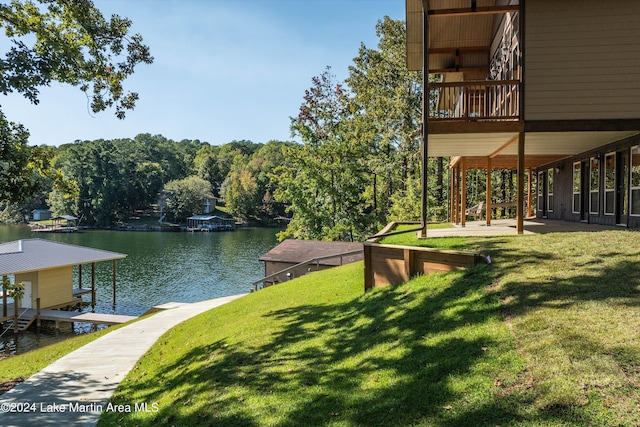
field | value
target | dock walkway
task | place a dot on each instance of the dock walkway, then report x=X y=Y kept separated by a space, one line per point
x=82 y=381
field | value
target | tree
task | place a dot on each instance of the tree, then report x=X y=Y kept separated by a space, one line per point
x=325 y=179
x=387 y=101
x=186 y=197
x=68 y=42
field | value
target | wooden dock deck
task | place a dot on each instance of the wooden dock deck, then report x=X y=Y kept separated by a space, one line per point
x=28 y=316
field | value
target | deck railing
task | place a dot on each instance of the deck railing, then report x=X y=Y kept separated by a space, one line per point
x=471 y=101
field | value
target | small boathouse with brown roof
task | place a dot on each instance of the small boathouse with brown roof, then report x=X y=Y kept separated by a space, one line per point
x=46 y=270
x=295 y=258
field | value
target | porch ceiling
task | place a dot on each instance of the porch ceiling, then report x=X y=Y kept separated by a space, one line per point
x=451 y=30
x=559 y=144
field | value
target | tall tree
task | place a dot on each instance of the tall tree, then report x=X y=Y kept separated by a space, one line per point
x=325 y=179
x=387 y=101
x=68 y=42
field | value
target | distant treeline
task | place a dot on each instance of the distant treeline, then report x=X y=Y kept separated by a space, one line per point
x=108 y=181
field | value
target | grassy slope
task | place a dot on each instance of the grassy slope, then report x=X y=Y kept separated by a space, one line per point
x=546 y=335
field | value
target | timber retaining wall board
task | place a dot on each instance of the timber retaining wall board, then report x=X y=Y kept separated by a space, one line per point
x=393 y=264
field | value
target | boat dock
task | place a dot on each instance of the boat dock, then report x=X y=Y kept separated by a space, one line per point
x=29 y=315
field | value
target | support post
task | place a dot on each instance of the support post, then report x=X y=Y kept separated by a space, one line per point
x=488 y=189
x=520 y=183
x=463 y=207
x=425 y=118
x=530 y=195
x=93 y=285
x=80 y=276
x=38 y=321
x=114 y=283
x=5 y=279
x=451 y=187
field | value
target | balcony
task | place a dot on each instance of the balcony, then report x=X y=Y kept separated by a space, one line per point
x=490 y=100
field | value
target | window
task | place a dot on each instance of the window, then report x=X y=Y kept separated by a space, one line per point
x=609 y=183
x=577 y=185
x=550 y=190
x=594 y=185
x=635 y=180
x=541 y=190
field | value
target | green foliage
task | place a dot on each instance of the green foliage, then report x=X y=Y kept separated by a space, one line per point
x=67 y=42
x=248 y=187
x=325 y=178
x=186 y=197
x=70 y=42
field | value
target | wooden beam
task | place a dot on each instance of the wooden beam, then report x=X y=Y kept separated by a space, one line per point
x=520 y=183
x=463 y=207
x=504 y=146
x=114 y=283
x=454 y=50
x=93 y=285
x=461 y=127
x=488 y=190
x=530 y=194
x=79 y=276
x=582 y=125
x=459 y=70
x=480 y=10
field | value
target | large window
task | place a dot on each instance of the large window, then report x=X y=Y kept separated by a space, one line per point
x=635 y=180
x=594 y=185
x=577 y=185
x=550 y=190
x=540 y=190
x=609 y=183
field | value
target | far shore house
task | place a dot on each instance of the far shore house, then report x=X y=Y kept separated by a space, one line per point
x=46 y=269
x=548 y=88
x=294 y=258
x=40 y=214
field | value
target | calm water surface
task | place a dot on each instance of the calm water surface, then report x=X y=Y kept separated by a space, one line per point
x=160 y=267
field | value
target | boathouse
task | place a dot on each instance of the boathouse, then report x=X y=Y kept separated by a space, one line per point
x=210 y=223
x=547 y=88
x=294 y=258
x=46 y=269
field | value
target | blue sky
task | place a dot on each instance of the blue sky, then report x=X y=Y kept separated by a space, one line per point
x=224 y=69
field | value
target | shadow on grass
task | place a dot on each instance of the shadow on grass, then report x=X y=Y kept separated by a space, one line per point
x=387 y=358
x=426 y=353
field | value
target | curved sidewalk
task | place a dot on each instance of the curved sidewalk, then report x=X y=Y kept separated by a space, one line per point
x=74 y=390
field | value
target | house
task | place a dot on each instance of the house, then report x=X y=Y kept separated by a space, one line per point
x=544 y=87
x=40 y=214
x=294 y=258
x=46 y=269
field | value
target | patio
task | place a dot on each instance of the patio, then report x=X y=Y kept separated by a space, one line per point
x=502 y=227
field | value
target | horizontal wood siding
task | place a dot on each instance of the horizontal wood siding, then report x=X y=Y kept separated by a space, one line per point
x=55 y=286
x=390 y=264
x=582 y=59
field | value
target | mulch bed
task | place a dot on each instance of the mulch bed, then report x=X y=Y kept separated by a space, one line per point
x=5 y=386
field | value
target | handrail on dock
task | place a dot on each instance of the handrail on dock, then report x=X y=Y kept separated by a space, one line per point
x=304 y=264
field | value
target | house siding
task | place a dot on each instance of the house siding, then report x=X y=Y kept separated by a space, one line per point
x=582 y=59
x=55 y=286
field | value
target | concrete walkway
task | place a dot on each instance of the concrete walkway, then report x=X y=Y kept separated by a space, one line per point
x=74 y=390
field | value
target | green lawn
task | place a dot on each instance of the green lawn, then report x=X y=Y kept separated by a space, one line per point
x=546 y=335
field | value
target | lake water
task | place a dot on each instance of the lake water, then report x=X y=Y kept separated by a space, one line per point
x=160 y=267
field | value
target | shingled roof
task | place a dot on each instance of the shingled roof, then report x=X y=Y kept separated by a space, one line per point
x=23 y=256
x=296 y=251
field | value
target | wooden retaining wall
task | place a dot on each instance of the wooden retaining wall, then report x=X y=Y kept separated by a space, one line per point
x=392 y=264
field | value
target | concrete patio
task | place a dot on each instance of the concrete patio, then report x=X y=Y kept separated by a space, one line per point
x=502 y=227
